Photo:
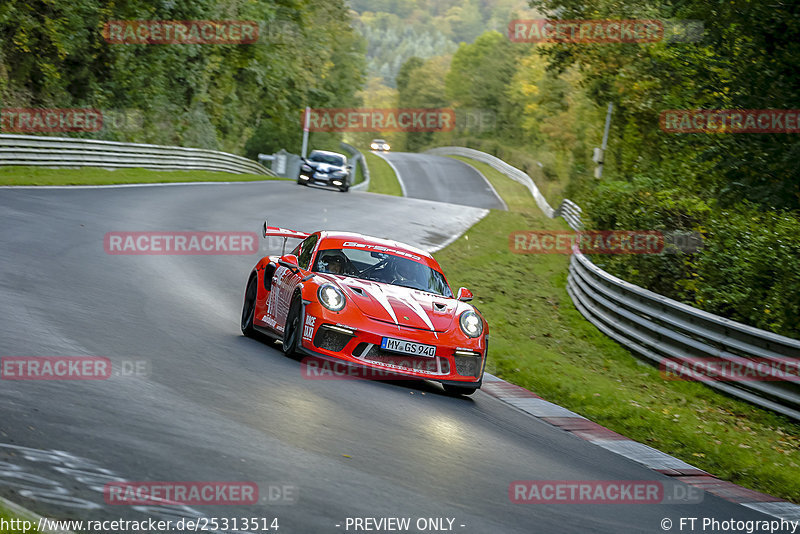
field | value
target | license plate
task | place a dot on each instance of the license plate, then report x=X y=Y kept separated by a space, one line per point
x=408 y=347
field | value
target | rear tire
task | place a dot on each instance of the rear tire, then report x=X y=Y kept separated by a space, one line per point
x=459 y=390
x=249 y=307
x=291 y=333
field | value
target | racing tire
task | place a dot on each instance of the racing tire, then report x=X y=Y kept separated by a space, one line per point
x=249 y=307
x=301 y=182
x=459 y=390
x=344 y=189
x=291 y=334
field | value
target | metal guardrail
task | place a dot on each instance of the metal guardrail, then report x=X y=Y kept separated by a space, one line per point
x=76 y=152
x=571 y=213
x=661 y=329
x=357 y=159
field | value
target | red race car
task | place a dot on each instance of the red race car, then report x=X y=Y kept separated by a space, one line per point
x=369 y=302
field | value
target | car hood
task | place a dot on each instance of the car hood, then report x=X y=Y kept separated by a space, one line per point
x=326 y=167
x=399 y=305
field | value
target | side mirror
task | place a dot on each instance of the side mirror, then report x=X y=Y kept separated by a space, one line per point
x=464 y=294
x=264 y=231
x=289 y=261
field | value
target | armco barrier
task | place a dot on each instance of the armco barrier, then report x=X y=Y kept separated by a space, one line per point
x=656 y=327
x=76 y=152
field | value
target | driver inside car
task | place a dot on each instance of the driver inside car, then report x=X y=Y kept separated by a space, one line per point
x=403 y=271
x=333 y=263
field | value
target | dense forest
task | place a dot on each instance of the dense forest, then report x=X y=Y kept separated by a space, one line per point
x=740 y=190
x=396 y=30
x=234 y=97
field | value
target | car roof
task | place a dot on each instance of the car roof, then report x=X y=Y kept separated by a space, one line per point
x=331 y=239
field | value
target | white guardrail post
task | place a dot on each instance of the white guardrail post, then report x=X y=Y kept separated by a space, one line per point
x=76 y=152
x=658 y=328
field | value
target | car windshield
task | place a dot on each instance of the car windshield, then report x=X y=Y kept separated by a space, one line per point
x=331 y=159
x=381 y=267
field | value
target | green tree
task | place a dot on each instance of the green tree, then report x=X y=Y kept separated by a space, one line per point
x=423 y=86
x=479 y=78
x=53 y=54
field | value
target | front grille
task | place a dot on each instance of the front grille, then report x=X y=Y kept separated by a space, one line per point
x=468 y=365
x=331 y=340
x=414 y=363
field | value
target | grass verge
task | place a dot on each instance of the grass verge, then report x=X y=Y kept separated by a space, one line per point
x=359 y=176
x=541 y=342
x=6 y=516
x=18 y=175
x=381 y=176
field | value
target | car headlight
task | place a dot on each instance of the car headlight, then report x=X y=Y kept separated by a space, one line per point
x=471 y=324
x=331 y=297
x=373 y=146
x=339 y=174
x=306 y=168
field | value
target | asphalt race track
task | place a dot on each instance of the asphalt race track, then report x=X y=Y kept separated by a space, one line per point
x=213 y=405
x=442 y=179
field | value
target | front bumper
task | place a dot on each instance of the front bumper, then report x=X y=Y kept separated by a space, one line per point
x=458 y=360
x=322 y=179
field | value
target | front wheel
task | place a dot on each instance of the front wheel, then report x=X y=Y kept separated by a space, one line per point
x=459 y=390
x=291 y=334
x=249 y=307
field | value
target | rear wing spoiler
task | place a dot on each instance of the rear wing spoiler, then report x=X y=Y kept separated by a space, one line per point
x=285 y=233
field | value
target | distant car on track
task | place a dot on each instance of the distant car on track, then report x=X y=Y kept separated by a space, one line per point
x=370 y=302
x=380 y=145
x=325 y=168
